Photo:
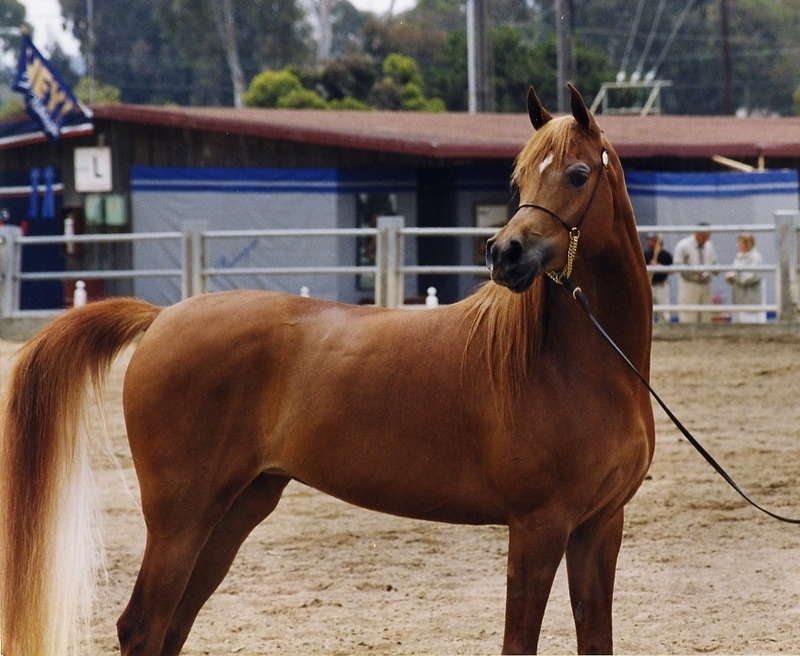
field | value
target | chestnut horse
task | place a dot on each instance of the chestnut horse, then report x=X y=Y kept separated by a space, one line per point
x=505 y=408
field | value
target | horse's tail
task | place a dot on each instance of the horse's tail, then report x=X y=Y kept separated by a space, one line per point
x=49 y=545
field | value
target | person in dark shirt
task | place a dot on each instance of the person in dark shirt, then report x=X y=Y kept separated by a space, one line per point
x=655 y=253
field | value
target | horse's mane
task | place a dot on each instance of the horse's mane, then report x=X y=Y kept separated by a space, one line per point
x=506 y=328
x=505 y=333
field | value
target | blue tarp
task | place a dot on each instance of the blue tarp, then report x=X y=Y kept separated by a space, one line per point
x=723 y=184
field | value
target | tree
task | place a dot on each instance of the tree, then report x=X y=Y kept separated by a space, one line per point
x=346 y=28
x=517 y=65
x=447 y=78
x=130 y=53
x=268 y=87
x=12 y=15
x=104 y=94
x=154 y=55
x=63 y=63
x=347 y=77
x=226 y=28
x=276 y=32
x=400 y=88
x=421 y=41
x=763 y=35
x=766 y=62
x=516 y=68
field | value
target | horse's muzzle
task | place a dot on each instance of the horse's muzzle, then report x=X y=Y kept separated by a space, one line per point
x=514 y=264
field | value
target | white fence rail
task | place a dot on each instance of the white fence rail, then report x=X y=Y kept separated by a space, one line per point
x=390 y=269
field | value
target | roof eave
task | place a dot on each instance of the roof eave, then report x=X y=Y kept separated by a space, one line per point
x=304 y=134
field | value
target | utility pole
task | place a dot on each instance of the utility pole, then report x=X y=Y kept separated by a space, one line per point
x=727 y=61
x=478 y=57
x=563 y=9
x=90 y=59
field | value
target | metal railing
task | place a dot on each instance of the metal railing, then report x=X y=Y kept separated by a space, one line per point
x=389 y=270
x=785 y=269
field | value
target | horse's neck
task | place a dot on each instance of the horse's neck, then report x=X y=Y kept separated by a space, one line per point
x=618 y=290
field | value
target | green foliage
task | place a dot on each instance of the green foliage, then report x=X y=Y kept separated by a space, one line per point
x=14 y=106
x=402 y=70
x=414 y=101
x=347 y=77
x=448 y=78
x=763 y=39
x=348 y=103
x=284 y=89
x=12 y=14
x=170 y=50
x=104 y=94
x=131 y=51
x=301 y=99
x=346 y=29
x=387 y=94
x=399 y=89
x=421 y=40
x=591 y=70
x=269 y=87
x=517 y=65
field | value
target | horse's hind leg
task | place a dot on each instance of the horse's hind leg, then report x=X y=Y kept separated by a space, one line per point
x=591 y=567
x=166 y=568
x=180 y=517
x=251 y=507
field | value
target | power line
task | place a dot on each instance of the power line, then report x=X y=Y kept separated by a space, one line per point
x=646 y=51
x=634 y=27
x=671 y=38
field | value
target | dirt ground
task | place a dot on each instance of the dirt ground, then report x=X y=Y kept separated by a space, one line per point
x=699 y=570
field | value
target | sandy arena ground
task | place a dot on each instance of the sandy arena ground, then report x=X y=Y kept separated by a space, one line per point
x=699 y=570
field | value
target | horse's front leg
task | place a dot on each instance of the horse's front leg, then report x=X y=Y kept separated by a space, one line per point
x=591 y=566
x=535 y=549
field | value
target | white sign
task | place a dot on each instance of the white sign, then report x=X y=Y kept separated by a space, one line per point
x=93 y=169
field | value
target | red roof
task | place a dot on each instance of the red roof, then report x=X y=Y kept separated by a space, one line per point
x=460 y=135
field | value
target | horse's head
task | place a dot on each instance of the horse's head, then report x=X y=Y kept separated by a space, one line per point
x=564 y=194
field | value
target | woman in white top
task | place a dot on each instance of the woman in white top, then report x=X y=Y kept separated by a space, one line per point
x=746 y=285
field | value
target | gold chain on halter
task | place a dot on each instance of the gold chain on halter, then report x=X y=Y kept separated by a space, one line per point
x=574 y=233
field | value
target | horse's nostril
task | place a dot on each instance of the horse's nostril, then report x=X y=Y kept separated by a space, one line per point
x=507 y=256
x=514 y=252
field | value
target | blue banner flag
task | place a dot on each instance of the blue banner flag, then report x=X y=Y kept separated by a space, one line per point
x=48 y=97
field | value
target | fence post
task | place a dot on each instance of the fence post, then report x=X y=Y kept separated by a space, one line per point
x=786 y=248
x=389 y=287
x=192 y=258
x=10 y=259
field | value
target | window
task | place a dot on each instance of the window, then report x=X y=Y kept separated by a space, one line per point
x=369 y=206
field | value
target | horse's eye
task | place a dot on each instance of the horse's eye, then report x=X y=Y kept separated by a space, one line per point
x=578 y=174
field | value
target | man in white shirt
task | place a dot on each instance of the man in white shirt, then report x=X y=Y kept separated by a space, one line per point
x=694 y=287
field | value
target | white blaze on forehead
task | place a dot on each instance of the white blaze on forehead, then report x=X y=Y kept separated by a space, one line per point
x=547 y=161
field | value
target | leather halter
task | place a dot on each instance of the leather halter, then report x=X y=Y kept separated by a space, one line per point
x=574 y=232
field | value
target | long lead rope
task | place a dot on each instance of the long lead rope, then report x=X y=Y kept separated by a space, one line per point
x=579 y=296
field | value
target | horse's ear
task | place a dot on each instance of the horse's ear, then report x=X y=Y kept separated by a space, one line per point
x=537 y=113
x=579 y=111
